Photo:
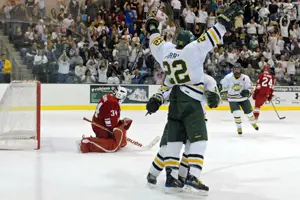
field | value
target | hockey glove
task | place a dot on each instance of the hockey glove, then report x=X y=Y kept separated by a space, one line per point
x=270 y=97
x=246 y=93
x=152 y=23
x=213 y=99
x=224 y=95
x=154 y=103
x=227 y=17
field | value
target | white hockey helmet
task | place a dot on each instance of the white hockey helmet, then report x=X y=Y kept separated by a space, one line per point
x=120 y=93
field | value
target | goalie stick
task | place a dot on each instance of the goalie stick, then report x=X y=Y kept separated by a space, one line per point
x=277 y=111
x=136 y=143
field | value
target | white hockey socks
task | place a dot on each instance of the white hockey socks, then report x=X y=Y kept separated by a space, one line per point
x=196 y=157
x=158 y=162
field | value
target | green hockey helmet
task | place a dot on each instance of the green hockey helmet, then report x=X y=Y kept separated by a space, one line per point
x=184 y=38
x=237 y=70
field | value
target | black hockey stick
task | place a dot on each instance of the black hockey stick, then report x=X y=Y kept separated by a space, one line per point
x=277 y=111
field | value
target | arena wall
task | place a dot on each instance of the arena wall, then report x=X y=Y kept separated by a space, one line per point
x=84 y=97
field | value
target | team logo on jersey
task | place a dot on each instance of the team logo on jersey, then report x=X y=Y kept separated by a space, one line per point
x=157 y=41
x=202 y=38
x=236 y=87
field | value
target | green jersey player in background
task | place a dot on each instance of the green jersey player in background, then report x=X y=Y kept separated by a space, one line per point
x=183 y=66
x=236 y=88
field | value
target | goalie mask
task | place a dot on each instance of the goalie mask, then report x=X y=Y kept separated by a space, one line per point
x=120 y=93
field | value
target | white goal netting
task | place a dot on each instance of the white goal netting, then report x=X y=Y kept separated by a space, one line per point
x=19 y=116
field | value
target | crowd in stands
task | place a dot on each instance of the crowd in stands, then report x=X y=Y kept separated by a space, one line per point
x=104 y=41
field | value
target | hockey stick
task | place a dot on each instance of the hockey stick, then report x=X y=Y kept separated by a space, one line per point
x=277 y=111
x=136 y=143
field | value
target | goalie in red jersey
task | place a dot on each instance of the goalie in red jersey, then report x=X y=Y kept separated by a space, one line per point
x=264 y=89
x=107 y=114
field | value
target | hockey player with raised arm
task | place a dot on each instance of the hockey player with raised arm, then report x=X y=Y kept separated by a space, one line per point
x=107 y=115
x=210 y=86
x=237 y=90
x=183 y=66
x=264 y=89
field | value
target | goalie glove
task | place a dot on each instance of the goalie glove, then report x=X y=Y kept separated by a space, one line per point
x=246 y=93
x=224 y=95
x=152 y=23
x=154 y=103
x=227 y=17
x=213 y=99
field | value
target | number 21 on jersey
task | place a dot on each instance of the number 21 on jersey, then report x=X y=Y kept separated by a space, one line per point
x=176 y=72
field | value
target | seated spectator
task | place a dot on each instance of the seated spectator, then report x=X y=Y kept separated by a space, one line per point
x=113 y=79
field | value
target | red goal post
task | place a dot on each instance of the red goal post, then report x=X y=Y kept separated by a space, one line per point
x=20 y=116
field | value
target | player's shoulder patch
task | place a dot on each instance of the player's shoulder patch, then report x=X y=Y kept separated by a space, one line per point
x=202 y=38
x=157 y=40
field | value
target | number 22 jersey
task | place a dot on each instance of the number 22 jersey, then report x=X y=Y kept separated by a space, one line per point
x=185 y=66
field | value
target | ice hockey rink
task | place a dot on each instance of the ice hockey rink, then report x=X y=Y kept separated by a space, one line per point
x=262 y=165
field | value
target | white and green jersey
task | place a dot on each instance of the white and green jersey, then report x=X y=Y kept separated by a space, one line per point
x=210 y=84
x=185 y=66
x=235 y=86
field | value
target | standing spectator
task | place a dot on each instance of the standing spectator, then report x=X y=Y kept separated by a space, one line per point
x=80 y=70
x=190 y=19
x=63 y=68
x=203 y=18
x=42 y=9
x=129 y=16
x=29 y=4
x=291 y=71
x=6 y=69
x=92 y=66
x=176 y=4
x=74 y=8
x=102 y=74
x=123 y=52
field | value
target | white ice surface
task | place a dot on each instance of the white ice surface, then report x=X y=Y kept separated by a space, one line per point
x=260 y=165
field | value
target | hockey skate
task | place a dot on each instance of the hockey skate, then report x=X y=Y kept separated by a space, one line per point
x=192 y=184
x=151 y=180
x=240 y=131
x=255 y=126
x=172 y=184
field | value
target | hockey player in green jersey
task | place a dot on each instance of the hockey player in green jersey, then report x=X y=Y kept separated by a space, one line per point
x=237 y=90
x=210 y=87
x=183 y=66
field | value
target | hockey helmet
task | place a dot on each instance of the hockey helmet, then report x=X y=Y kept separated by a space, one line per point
x=120 y=93
x=237 y=70
x=184 y=38
x=267 y=68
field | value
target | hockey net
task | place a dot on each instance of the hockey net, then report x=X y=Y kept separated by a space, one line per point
x=20 y=116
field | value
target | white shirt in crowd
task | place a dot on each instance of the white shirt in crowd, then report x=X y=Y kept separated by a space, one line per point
x=67 y=22
x=251 y=28
x=92 y=66
x=211 y=20
x=63 y=66
x=102 y=75
x=291 y=69
x=190 y=17
x=38 y=60
x=80 y=72
x=263 y=12
x=113 y=80
x=203 y=16
x=127 y=77
x=261 y=29
x=176 y=4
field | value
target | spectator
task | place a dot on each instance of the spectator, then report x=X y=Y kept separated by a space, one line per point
x=80 y=71
x=127 y=77
x=123 y=51
x=6 y=69
x=102 y=74
x=63 y=68
x=137 y=78
x=113 y=79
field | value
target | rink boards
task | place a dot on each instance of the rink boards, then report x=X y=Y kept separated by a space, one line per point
x=85 y=97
